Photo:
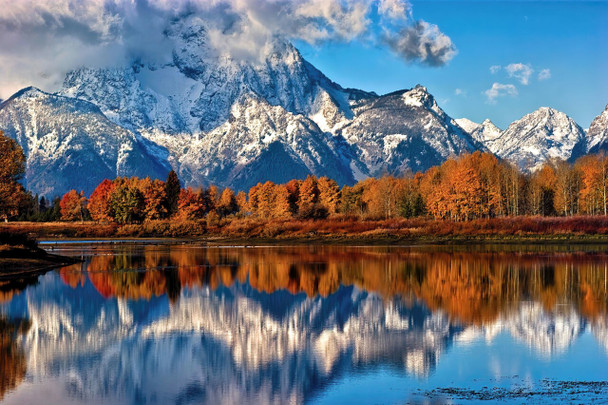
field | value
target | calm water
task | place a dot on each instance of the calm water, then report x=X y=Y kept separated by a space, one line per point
x=190 y=324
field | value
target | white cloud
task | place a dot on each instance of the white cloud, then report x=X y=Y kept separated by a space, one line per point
x=495 y=68
x=520 y=71
x=500 y=90
x=460 y=92
x=544 y=74
x=42 y=40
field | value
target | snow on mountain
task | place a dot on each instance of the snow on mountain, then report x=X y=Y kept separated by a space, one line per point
x=69 y=143
x=538 y=137
x=485 y=133
x=270 y=142
x=404 y=131
x=466 y=124
x=597 y=134
x=219 y=120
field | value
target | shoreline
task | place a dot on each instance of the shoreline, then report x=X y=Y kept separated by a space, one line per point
x=534 y=231
x=18 y=262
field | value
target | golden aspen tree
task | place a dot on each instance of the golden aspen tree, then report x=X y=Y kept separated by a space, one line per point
x=309 y=193
x=329 y=194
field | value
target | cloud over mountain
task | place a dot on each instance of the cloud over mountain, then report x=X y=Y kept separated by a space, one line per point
x=67 y=34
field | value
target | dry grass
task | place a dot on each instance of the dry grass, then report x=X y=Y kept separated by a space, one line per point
x=335 y=227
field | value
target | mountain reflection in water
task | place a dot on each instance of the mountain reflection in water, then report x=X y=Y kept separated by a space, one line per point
x=181 y=324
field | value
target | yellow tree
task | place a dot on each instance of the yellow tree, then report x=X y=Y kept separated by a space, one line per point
x=241 y=202
x=281 y=204
x=591 y=195
x=309 y=193
x=329 y=194
x=155 y=198
x=12 y=168
x=227 y=204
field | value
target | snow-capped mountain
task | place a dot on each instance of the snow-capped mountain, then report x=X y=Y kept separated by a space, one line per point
x=404 y=131
x=219 y=120
x=69 y=143
x=485 y=133
x=597 y=134
x=234 y=122
x=538 y=137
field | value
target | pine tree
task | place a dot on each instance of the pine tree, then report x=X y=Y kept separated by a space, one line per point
x=172 y=191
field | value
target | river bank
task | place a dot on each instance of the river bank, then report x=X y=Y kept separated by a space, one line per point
x=20 y=256
x=339 y=230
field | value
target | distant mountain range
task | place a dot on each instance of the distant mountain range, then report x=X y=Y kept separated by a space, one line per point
x=228 y=122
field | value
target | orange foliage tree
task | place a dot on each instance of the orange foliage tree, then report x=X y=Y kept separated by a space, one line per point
x=73 y=206
x=99 y=206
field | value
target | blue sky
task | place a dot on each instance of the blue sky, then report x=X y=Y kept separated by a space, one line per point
x=570 y=39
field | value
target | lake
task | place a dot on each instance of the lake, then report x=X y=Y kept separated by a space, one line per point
x=154 y=323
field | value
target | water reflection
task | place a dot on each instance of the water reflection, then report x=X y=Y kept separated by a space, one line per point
x=188 y=324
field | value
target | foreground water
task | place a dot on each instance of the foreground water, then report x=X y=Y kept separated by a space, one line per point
x=190 y=324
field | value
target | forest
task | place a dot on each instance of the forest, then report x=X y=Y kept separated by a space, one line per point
x=464 y=188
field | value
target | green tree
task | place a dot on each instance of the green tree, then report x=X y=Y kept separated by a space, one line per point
x=127 y=204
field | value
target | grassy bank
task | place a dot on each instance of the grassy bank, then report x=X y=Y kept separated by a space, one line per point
x=335 y=230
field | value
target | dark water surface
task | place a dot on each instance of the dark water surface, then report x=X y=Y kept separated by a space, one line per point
x=190 y=324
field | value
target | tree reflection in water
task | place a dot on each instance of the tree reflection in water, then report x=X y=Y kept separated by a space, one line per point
x=280 y=324
x=472 y=288
x=12 y=356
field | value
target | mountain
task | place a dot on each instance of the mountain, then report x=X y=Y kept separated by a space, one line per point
x=485 y=133
x=538 y=137
x=597 y=135
x=236 y=122
x=218 y=120
x=403 y=131
x=69 y=143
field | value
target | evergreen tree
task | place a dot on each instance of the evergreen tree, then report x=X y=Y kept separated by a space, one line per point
x=172 y=190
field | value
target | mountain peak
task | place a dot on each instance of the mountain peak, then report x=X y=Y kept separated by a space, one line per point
x=597 y=134
x=539 y=136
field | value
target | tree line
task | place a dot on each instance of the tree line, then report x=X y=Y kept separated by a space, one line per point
x=471 y=186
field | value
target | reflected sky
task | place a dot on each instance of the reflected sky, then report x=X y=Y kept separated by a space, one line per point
x=190 y=324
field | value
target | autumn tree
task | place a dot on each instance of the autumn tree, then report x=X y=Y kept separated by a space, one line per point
x=155 y=198
x=227 y=203
x=212 y=198
x=351 y=200
x=127 y=203
x=191 y=204
x=12 y=168
x=308 y=193
x=593 y=170
x=541 y=190
x=73 y=206
x=329 y=194
x=281 y=202
x=293 y=188
x=567 y=188
x=172 y=193
x=99 y=201
x=241 y=202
